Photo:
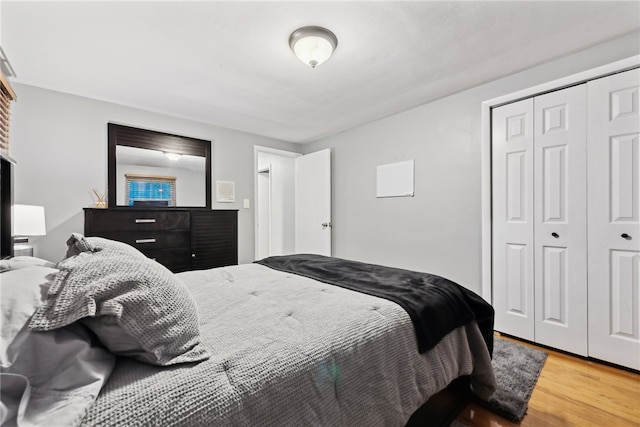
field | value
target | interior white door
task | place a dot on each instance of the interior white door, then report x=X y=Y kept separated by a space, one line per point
x=614 y=218
x=313 y=203
x=560 y=226
x=512 y=198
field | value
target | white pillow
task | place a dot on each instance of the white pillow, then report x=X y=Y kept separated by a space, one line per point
x=45 y=376
x=23 y=291
x=23 y=262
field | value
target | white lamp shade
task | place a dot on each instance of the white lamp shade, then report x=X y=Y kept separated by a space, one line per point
x=28 y=220
x=313 y=45
x=312 y=50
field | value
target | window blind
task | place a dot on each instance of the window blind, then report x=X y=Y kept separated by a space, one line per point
x=6 y=96
x=150 y=188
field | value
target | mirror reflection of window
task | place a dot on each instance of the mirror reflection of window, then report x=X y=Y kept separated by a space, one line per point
x=189 y=189
x=150 y=191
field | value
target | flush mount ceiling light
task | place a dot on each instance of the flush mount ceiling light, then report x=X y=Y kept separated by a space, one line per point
x=173 y=156
x=313 y=45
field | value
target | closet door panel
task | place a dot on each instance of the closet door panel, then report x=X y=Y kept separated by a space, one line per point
x=560 y=219
x=512 y=158
x=614 y=218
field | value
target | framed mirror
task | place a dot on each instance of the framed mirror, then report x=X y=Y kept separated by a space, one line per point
x=149 y=169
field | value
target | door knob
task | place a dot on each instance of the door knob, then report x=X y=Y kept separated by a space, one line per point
x=556 y=235
x=326 y=224
x=625 y=236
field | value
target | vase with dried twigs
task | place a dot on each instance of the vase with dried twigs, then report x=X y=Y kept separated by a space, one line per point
x=101 y=199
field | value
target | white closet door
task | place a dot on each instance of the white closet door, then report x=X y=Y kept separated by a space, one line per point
x=512 y=174
x=560 y=226
x=614 y=219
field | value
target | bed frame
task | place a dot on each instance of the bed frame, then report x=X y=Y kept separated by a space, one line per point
x=443 y=407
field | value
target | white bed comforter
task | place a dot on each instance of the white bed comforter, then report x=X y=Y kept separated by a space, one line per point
x=291 y=351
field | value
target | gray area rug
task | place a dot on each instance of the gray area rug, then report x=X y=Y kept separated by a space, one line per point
x=517 y=369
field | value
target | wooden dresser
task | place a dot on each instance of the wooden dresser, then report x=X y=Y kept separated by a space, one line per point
x=180 y=239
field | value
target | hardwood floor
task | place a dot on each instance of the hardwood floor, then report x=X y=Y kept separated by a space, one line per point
x=572 y=392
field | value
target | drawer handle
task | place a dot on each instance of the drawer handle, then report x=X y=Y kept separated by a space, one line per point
x=145 y=220
x=145 y=240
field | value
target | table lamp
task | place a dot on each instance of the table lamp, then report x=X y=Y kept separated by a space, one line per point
x=28 y=221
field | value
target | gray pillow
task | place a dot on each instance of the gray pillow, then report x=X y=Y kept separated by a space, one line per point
x=139 y=298
x=77 y=243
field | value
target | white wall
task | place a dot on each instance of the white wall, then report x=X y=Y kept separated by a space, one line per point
x=60 y=144
x=438 y=230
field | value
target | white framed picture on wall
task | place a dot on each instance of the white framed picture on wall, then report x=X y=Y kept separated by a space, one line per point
x=225 y=191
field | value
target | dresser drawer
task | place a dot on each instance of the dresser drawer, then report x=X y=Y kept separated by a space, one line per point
x=175 y=260
x=138 y=220
x=180 y=239
x=150 y=240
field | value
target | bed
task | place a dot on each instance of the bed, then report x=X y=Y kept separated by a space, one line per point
x=257 y=345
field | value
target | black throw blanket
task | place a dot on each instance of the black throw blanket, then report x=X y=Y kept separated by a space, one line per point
x=436 y=305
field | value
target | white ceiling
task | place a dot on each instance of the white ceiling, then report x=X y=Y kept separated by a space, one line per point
x=229 y=63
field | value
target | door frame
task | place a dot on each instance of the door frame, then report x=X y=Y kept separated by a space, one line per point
x=572 y=80
x=256 y=150
x=259 y=214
